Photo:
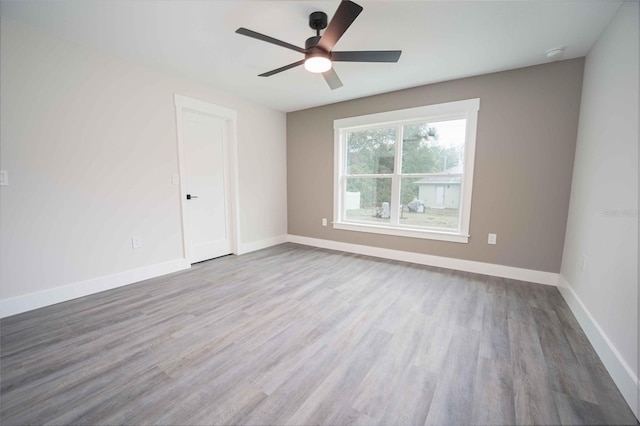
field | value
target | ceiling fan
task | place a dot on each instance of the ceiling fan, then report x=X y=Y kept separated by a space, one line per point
x=318 y=56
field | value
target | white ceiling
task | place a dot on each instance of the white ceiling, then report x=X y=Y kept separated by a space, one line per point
x=440 y=40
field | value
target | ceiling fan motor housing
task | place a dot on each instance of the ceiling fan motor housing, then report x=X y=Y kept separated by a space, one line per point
x=312 y=44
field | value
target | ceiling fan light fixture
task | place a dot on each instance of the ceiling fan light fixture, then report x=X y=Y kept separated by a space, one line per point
x=317 y=64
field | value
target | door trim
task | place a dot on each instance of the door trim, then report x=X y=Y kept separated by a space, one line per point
x=185 y=103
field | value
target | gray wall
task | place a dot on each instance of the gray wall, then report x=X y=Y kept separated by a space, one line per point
x=526 y=138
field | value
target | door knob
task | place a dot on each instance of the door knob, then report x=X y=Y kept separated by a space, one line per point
x=189 y=196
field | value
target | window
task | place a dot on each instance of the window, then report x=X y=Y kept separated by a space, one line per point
x=407 y=172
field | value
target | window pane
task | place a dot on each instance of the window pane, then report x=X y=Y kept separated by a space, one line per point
x=432 y=202
x=371 y=151
x=433 y=147
x=368 y=199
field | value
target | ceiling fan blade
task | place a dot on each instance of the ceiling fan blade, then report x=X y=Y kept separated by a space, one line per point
x=367 y=56
x=277 y=70
x=253 y=34
x=332 y=79
x=347 y=12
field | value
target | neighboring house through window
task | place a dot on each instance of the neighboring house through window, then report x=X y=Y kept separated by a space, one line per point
x=407 y=172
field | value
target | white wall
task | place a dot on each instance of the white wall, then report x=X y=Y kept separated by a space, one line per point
x=603 y=214
x=89 y=141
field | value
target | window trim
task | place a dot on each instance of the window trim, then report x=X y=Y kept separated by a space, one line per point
x=467 y=109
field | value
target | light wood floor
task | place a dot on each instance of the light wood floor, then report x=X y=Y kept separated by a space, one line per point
x=296 y=335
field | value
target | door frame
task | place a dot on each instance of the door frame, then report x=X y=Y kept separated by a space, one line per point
x=183 y=104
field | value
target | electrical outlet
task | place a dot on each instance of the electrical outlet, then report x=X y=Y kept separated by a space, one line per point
x=324 y=221
x=493 y=239
x=136 y=241
x=4 y=177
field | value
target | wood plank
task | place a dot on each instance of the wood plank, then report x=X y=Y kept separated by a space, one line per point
x=533 y=396
x=494 y=340
x=452 y=401
x=330 y=402
x=378 y=386
x=493 y=394
x=565 y=372
x=577 y=412
x=410 y=398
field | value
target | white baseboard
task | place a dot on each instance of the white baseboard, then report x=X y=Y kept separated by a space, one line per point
x=27 y=302
x=617 y=367
x=529 y=275
x=261 y=244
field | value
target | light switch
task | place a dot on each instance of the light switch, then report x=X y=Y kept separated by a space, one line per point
x=136 y=241
x=175 y=179
x=4 y=178
x=493 y=238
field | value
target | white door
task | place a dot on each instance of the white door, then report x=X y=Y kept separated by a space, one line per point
x=439 y=196
x=205 y=180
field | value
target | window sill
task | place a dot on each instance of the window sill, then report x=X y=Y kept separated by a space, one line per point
x=403 y=232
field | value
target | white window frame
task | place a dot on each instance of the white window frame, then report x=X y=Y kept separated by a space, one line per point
x=467 y=109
